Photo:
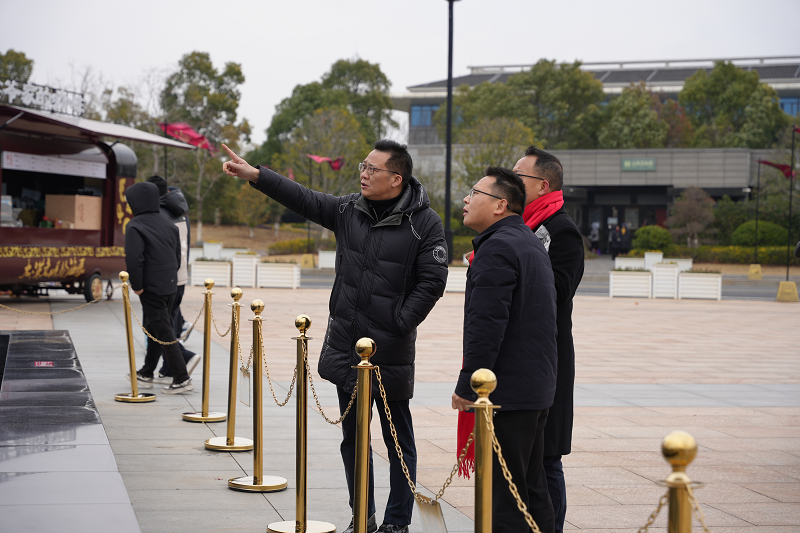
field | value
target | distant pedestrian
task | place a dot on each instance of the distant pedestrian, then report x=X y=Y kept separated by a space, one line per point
x=625 y=239
x=594 y=238
x=614 y=241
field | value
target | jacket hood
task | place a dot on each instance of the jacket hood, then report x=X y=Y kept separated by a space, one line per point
x=143 y=198
x=414 y=198
x=174 y=202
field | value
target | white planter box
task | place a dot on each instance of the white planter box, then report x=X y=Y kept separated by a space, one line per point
x=651 y=258
x=456 y=279
x=701 y=286
x=244 y=270
x=278 y=275
x=665 y=280
x=629 y=262
x=327 y=259
x=211 y=250
x=684 y=265
x=219 y=271
x=630 y=284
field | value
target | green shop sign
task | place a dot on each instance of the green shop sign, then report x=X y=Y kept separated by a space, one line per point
x=638 y=165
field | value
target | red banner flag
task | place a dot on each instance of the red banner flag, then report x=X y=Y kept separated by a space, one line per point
x=183 y=132
x=290 y=173
x=337 y=163
x=319 y=158
x=797 y=129
x=785 y=169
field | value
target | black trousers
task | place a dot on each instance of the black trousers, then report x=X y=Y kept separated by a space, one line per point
x=521 y=438
x=158 y=321
x=401 y=501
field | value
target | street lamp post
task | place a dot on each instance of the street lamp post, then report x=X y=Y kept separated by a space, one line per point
x=792 y=172
x=448 y=233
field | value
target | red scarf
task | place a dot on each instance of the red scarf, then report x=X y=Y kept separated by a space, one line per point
x=535 y=213
x=542 y=208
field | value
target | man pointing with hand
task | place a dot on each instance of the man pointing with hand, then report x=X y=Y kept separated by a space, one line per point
x=391 y=268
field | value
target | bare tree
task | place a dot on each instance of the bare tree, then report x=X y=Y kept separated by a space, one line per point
x=691 y=215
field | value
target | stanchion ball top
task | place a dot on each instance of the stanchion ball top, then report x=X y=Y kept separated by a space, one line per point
x=483 y=382
x=679 y=448
x=365 y=347
x=302 y=322
x=209 y=283
x=236 y=293
x=123 y=276
x=257 y=306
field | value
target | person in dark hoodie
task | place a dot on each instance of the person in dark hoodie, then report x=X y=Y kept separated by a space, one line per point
x=391 y=268
x=152 y=256
x=173 y=205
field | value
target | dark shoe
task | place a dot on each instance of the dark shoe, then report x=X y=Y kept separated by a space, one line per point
x=179 y=388
x=372 y=526
x=392 y=528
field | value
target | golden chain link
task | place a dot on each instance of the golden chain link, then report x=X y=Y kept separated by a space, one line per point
x=316 y=398
x=211 y=311
x=183 y=338
x=652 y=518
x=266 y=370
x=419 y=497
x=506 y=474
x=696 y=508
x=51 y=313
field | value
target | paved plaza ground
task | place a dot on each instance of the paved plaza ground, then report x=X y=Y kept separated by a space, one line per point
x=726 y=371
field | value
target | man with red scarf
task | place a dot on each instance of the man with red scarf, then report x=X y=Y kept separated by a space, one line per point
x=543 y=177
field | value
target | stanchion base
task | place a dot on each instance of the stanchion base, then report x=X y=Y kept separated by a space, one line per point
x=312 y=526
x=220 y=444
x=130 y=398
x=268 y=484
x=198 y=417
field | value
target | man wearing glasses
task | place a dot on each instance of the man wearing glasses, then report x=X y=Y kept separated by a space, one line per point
x=510 y=328
x=391 y=268
x=544 y=213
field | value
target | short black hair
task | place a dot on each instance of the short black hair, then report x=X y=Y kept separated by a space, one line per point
x=548 y=167
x=399 y=160
x=160 y=182
x=509 y=186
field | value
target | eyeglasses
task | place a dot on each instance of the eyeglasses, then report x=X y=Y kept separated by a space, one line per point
x=371 y=169
x=534 y=177
x=473 y=190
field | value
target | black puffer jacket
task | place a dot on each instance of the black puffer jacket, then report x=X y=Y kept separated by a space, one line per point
x=152 y=245
x=389 y=275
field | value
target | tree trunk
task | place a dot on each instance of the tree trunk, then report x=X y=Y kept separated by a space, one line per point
x=251 y=231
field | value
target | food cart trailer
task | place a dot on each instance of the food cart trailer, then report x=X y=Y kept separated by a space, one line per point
x=63 y=211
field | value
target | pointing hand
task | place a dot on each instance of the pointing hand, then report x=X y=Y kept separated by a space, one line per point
x=238 y=167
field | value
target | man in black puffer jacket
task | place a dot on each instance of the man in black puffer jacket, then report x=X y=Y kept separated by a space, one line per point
x=152 y=256
x=391 y=268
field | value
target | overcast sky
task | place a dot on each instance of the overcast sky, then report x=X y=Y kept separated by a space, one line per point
x=282 y=44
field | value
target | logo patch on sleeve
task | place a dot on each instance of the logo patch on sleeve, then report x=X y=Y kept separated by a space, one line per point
x=440 y=254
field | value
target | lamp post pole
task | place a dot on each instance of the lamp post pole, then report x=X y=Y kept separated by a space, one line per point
x=791 y=190
x=448 y=233
x=758 y=198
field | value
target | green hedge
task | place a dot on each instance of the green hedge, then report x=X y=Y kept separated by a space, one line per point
x=769 y=234
x=461 y=246
x=652 y=238
x=734 y=255
x=300 y=246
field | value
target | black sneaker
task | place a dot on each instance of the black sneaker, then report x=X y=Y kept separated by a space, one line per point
x=392 y=528
x=141 y=381
x=179 y=388
x=372 y=525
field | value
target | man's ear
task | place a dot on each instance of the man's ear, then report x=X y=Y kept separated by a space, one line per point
x=544 y=188
x=502 y=207
x=397 y=181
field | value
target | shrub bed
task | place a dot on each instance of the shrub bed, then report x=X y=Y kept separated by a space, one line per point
x=300 y=246
x=733 y=255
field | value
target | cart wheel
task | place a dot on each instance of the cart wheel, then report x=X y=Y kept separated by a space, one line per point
x=93 y=288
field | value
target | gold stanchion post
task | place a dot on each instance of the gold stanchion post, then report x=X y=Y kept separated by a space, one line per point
x=204 y=415
x=679 y=449
x=134 y=396
x=231 y=443
x=483 y=382
x=301 y=523
x=257 y=482
x=365 y=348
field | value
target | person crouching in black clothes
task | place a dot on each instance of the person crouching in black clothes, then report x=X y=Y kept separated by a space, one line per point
x=152 y=256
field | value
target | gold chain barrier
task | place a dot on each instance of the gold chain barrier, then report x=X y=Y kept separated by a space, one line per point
x=204 y=415
x=679 y=450
x=51 y=313
x=230 y=442
x=134 y=396
x=257 y=482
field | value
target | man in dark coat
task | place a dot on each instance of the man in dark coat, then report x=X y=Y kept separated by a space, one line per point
x=391 y=268
x=544 y=214
x=152 y=256
x=510 y=328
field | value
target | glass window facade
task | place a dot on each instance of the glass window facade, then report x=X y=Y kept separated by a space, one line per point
x=790 y=106
x=422 y=115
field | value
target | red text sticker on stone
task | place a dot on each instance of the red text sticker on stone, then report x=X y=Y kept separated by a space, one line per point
x=42 y=363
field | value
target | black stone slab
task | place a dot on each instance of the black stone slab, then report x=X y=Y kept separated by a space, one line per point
x=38 y=399
x=44 y=380
x=48 y=415
x=19 y=434
x=57 y=458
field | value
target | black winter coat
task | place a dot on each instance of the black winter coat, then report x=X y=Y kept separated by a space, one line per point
x=152 y=244
x=510 y=317
x=565 y=248
x=389 y=275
